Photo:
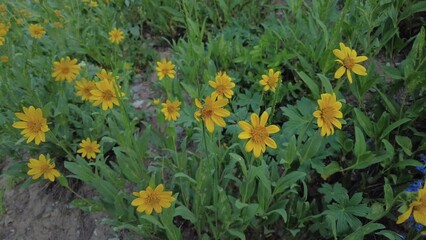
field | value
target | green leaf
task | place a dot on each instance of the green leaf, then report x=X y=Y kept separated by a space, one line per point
x=388 y=104
x=287 y=181
x=364 y=230
x=311 y=147
x=336 y=192
x=63 y=181
x=291 y=152
x=325 y=83
x=360 y=145
x=152 y=220
x=405 y=143
x=364 y=122
x=310 y=83
x=281 y=212
x=237 y=233
x=388 y=196
x=183 y=175
x=185 y=213
x=393 y=126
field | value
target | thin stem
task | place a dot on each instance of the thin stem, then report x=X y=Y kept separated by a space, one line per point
x=60 y=145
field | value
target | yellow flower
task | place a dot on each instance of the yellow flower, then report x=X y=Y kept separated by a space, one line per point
x=33 y=123
x=104 y=75
x=417 y=208
x=3 y=30
x=19 y=21
x=89 y=149
x=37 y=31
x=171 y=110
x=223 y=85
x=58 y=25
x=156 y=102
x=3 y=8
x=152 y=199
x=42 y=166
x=348 y=59
x=271 y=80
x=2 y=41
x=65 y=69
x=328 y=114
x=83 y=88
x=258 y=133
x=58 y=13
x=105 y=93
x=4 y=59
x=212 y=112
x=116 y=36
x=93 y=4
x=165 y=68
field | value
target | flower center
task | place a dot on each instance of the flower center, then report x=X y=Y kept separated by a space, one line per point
x=327 y=114
x=171 y=109
x=88 y=148
x=272 y=81
x=108 y=95
x=152 y=199
x=65 y=70
x=348 y=62
x=206 y=112
x=259 y=134
x=34 y=126
x=44 y=168
x=220 y=89
x=87 y=91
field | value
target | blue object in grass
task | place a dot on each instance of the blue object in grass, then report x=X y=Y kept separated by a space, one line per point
x=414 y=187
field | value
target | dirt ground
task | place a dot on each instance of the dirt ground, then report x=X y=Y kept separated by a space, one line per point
x=42 y=211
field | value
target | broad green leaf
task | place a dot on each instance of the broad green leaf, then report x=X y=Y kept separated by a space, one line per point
x=281 y=212
x=405 y=143
x=364 y=230
x=185 y=213
x=360 y=145
x=237 y=233
x=388 y=196
x=393 y=126
x=310 y=83
x=364 y=122
x=291 y=152
x=287 y=181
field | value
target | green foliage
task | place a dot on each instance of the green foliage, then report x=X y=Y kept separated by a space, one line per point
x=343 y=186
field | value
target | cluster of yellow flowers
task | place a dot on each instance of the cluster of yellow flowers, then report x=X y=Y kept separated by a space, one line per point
x=4 y=28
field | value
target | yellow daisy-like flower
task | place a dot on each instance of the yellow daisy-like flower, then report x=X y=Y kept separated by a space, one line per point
x=271 y=80
x=104 y=75
x=417 y=208
x=4 y=28
x=156 y=102
x=116 y=36
x=328 y=114
x=152 y=199
x=65 y=69
x=171 y=110
x=37 y=31
x=19 y=21
x=2 y=41
x=258 y=133
x=83 y=88
x=223 y=85
x=165 y=68
x=93 y=4
x=349 y=60
x=33 y=123
x=212 y=112
x=4 y=59
x=89 y=148
x=42 y=166
x=105 y=94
